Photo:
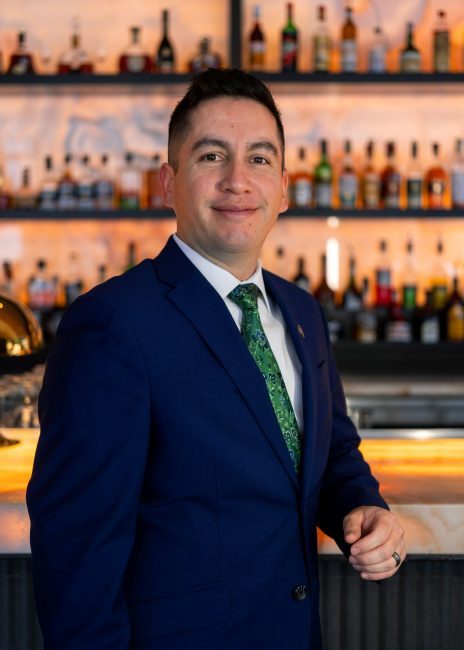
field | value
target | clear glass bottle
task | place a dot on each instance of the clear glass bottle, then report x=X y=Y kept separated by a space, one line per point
x=410 y=56
x=75 y=60
x=348 y=180
x=67 y=190
x=22 y=61
x=349 y=44
x=377 y=53
x=322 y=43
x=289 y=47
x=257 y=44
x=457 y=176
x=104 y=190
x=165 y=57
x=205 y=58
x=49 y=189
x=441 y=44
x=85 y=186
x=130 y=184
x=323 y=179
x=414 y=180
x=134 y=59
x=302 y=183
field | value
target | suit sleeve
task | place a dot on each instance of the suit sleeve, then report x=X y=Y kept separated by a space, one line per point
x=348 y=482
x=87 y=478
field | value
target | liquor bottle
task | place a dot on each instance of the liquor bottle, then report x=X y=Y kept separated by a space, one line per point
x=429 y=329
x=439 y=279
x=349 y=46
x=67 y=194
x=256 y=44
x=8 y=284
x=301 y=278
x=371 y=183
x=289 y=54
x=75 y=60
x=280 y=264
x=454 y=314
x=414 y=181
x=135 y=60
x=436 y=181
x=302 y=183
x=409 y=279
x=352 y=298
x=323 y=175
x=322 y=45
x=5 y=196
x=410 y=57
x=25 y=198
x=165 y=59
x=104 y=190
x=398 y=327
x=348 y=181
x=377 y=53
x=383 y=277
x=130 y=185
x=21 y=60
x=390 y=180
x=85 y=186
x=323 y=293
x=131 y=255
x=73 y=284
x=205 y=59
x=48 y=192
x=457 y=176
x=366 y=322
x=42 y=291
x=441 y=44
x=154 y=197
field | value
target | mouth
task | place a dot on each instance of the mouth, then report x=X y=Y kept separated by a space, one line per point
x=234 y=211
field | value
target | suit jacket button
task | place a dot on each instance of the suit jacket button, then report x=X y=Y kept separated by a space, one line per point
x=299 y=592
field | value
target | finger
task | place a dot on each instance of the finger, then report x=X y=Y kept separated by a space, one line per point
x=386 y=565
x=368 y=575
x=352 y=526
x=379 y=555
x=380 y=535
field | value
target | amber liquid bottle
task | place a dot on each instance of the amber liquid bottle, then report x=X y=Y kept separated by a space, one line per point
x=391 y=180
x=21 y=60
x=370 y=185
x=436 y=181
x=349 y=48
x=302 y=183
x=257 y=44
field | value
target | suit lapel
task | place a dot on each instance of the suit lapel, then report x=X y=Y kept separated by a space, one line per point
x=205 y=309
x=298 y=324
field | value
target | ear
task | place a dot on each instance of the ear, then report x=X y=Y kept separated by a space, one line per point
x=284 y=202
x=167 y=185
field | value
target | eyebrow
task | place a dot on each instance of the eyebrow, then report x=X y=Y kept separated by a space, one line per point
x=252 y=146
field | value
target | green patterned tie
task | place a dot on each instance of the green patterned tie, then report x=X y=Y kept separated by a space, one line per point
x=246 y=297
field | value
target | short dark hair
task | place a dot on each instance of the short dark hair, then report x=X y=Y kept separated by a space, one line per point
x=212 y=83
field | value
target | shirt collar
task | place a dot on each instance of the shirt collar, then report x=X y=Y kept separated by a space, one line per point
x=223 y=281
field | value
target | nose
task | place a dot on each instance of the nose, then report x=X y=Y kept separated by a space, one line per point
x=235 y=178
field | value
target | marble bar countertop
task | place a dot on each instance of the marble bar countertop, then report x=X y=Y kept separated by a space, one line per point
x=422 y=480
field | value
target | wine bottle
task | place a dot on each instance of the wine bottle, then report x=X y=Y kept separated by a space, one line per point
x=352 y=298
x=323 y=176
x=256 y=44
x=289 y=43
x=165 y=58
x=323 y=292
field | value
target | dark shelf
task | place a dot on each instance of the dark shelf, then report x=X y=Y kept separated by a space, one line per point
x=400 y=359
x=363 y=78
x=323 y=213
x=94 y=79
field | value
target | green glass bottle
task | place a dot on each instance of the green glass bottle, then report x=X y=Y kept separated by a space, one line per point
x=289 y=42
x=323 y=176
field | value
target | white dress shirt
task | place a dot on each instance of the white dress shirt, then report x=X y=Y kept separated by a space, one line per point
x=271 y=318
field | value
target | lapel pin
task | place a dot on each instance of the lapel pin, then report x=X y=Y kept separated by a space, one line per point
x=300 y=331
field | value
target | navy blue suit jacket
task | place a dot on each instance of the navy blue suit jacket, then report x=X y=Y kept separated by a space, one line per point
x=165 y=510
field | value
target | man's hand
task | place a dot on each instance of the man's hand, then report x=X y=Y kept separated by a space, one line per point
x=375 y=535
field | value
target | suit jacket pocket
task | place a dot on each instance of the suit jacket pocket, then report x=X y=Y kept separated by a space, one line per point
x=177 y=612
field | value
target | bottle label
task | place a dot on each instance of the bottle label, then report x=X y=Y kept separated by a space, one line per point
x=323 y=195
x=457 y=184
x=441 y=51
x=414 y=193
x=436 y=191
x=439 y=295
x=371 y=198
x=289 y=52
x=135 y=63
x=409 y=296
x=398 y=332
x=66 y=196
x=455 y=323
x=302 y=193
x=377 y=59
x=392 y=191
x=410 y=61
x=349 y=56
x=257 y=47
x=366 y=327
x=348 y=190
x=321 y=54
x=352 y=302
x=430 y=330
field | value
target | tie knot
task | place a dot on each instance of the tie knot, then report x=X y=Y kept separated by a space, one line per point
x=245 y=296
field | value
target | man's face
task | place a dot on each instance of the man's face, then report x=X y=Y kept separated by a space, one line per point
x=229 y=186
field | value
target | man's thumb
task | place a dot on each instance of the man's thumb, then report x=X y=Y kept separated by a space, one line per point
x=352 y=526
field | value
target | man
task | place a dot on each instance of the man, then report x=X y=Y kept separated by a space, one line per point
x=194 y=430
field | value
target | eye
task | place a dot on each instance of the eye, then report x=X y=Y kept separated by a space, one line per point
x=211 y=157
x=260 y=160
